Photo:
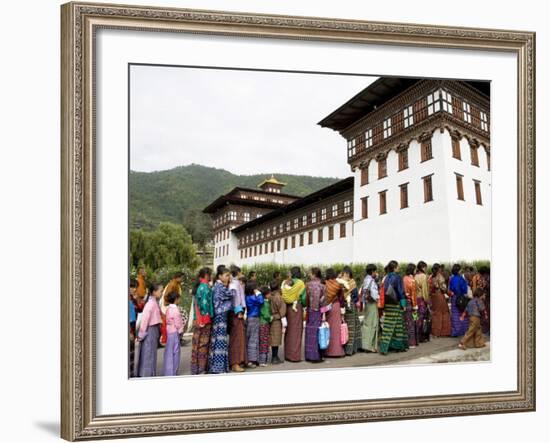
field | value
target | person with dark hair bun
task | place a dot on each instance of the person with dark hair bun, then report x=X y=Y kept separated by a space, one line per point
x=370 y=296
x=422 y=301
x=441 y=318
x=410 y=314
x=265 y=326
x=254 y=302
x=149 y=332
x=203 y=313
x=278 y=321
x=237 y=327
x=459 y=292
x=315 y=299
x=394 y=335
x=335 y=299
x=351 y=316
x=218 y=358
x=294 y=292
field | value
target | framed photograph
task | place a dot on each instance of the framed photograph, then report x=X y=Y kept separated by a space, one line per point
x=275 y=221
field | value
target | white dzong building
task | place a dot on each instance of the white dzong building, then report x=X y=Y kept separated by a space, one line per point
x=419 y=151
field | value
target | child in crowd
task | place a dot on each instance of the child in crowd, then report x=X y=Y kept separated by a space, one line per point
x=278 y=320
x=475 y=309
x=254 y=302
x=287 y=284
x=174 y=328
x=149 y=333
x=265 y=320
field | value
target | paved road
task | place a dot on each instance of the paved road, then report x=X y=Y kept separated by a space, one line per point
x=434 y=351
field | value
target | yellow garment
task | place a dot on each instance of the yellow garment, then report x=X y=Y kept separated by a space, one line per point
x=292 y=293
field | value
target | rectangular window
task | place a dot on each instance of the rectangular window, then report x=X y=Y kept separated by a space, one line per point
x=266 y=248
x=428 y=192
x=320 y=235
x=459 y=187
x=404 y=195
x=262 y=234
x=272 y=246
x=286 y=243
x=301 y=239
x=477 y=186
x=382 y=198
x=304 y=220
x=403 y=158
x=351 y=147
x=278 y=245
x=434 y=104
x=314 y=217
x=473 y=156
x=382 y=168
x=365 y=207
x=323 y=214
x=456 y=149
x=293 y=241
x=310 y=238
x=368 y=138
x=466 y=112
x=483 y=121
x=281 y=228
x=335 y=210
x=246 y=217
x=447 y=101
x=255 y=251
x=426 y=150
x=296 y=223
x=342 y=230
x=408 y=118
x=347 y=206
x=365 y=175
x=288 y=226
x=331 y=232
x=387 y=127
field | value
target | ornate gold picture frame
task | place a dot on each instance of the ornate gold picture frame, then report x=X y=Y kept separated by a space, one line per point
x=80 y=22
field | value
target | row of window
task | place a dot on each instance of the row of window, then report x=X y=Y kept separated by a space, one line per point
x=291 y=242
x=221 y=251
x=312 y=218
x=234 y=216
x=428 y=195
x=425 y=155
x=440 y=100
x=222 y=235
x=262 y=198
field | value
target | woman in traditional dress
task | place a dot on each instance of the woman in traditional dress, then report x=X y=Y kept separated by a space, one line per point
x=149 y=333
x=315 y=299
x=254 y=302
x=265 y=325
x=218 y=359
x=203 y=312
x=422 y=302
x=441 y=318
x=458 y=288
x=409 y=286
x=334 y=297
x=278 y=316
x=174 y=329
x=294 y=292
x=237 y=328
x=132 y=317
x=394 y=334
x=351 y=316
x=370 y=296
x=482 y=280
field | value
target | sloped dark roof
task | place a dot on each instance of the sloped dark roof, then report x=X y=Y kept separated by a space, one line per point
x=228 y=198
x=375 y=95
x=335 y=188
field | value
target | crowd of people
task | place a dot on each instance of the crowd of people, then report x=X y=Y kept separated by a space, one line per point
x=240 y=325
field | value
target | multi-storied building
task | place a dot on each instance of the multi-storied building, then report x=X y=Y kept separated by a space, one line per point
x=421 y=188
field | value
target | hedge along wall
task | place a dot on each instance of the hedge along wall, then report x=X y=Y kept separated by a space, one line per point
x=265 y=271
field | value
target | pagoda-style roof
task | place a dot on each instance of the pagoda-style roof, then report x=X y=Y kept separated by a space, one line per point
x=232 y=197
x=271 y=181
x=375 y=95
x=336 y=188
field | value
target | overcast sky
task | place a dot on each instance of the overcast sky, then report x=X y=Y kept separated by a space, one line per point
x=244 y=121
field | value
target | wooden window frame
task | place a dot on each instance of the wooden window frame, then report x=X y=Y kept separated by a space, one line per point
x=310 y=238
x=320 y=235
x=459 y=186
x=343 y=230
x=427 y=183
x=382 y=168
x=301 y=239
x=477 y=190
x=426 y=153
x=457 y=151
x=365 y=175
x=383 y=202
x=331 y=233
x=365 y=207
x=474 y=155
x=404 y=196
x=403 y=159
